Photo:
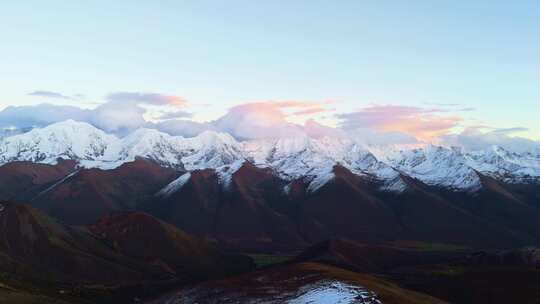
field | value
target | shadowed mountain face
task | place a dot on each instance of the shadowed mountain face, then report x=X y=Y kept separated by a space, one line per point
x=245 y=214
x=36 y=246
x=194 y=207
x=23 y=181
x=107 y=261
x=350 y=206
x=254 y=209
x=500 y=205
x=346 y=207
x=440 y=216
x=81 y=196
x=143 y=237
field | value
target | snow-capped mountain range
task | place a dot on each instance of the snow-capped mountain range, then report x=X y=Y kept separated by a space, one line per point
x=291 y=158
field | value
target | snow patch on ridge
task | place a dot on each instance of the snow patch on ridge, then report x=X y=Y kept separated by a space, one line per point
x=225 y=173
x=335 y=293
x=175 y=185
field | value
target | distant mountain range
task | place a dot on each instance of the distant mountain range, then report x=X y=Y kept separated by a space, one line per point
x=291 y=158
x=278 y=194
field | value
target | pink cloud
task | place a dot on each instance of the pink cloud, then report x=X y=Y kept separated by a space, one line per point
x=147 y=98
x=267 y=119
x=290 y=104
x=422 y=123
x=311 y=111
x=269 y=112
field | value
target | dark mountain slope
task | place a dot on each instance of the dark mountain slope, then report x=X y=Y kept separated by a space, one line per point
x=35 y=246
x=92 y=193
x=119 y=258
x=143 y=237
x=245 y=214
x=193 y=208
x=345 y=207
x=496 y=203
x=22 y=181
x=430 y=215
x=252 y=210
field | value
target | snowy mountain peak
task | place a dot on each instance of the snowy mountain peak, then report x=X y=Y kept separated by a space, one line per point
x=296 y=157
x=505 y=165
x=69 y=128
x=210 y=138
x=437 y=166
x=69 y=139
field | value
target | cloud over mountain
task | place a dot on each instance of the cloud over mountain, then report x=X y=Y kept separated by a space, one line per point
x=422 y=123
x=476 y=139
x=175 y=115
x=40 y=115
x=123 y=112
x=258 y=120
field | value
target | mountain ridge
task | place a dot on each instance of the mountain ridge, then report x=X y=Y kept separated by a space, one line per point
x=276 y=194
x=291 y=158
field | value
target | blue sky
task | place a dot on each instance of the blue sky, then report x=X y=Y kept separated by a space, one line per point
x=218 y=54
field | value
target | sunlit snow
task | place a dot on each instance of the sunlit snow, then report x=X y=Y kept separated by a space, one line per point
x=335 y=293
x=299 y=157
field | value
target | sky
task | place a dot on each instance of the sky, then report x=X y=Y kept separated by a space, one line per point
x=423 y=69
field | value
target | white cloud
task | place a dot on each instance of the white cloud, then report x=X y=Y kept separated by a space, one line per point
x=49 y=94
x=174 y=115
x=186 y=128
x=369 y=136
x=40 y=115
x=376 y=125
x=316 y=130
x=257 y=120
x=474 y=139
x=118 y=117
x=122 y=113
